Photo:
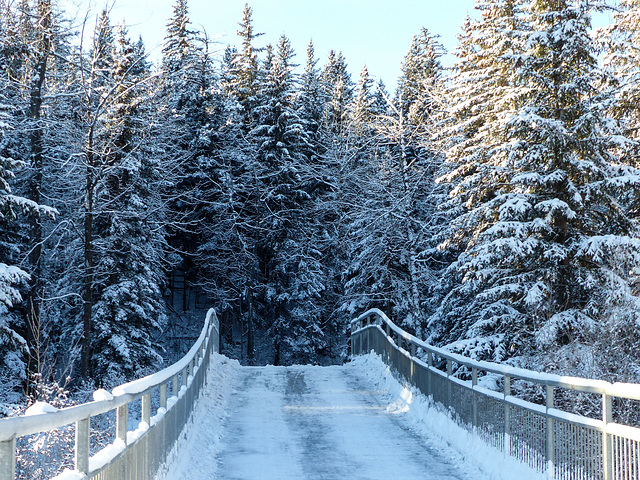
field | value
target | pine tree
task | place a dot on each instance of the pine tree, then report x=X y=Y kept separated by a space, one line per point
x=185 y=102
x=361 y=109
x=14 y=345
x=310 y=96
x=543 y=217
x=130 y=249
x=183 y=84
x=622 y=60
x=394 y=215
x=294 y=278
x=245 y=66
x=421 y=72
x=338 y=91
x=479 y=99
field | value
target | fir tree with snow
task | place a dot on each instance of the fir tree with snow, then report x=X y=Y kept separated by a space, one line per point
x=539 y=193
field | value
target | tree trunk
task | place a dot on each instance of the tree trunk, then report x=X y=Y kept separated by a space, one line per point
x=88 y=264
x=250 y=338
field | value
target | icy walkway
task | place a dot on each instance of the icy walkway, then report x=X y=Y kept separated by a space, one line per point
x=333 y=423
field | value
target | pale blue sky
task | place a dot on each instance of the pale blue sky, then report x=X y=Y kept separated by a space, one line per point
x=372 y=32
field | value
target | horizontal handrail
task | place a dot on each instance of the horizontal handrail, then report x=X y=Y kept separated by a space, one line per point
x=618 y=389
x=187 y=367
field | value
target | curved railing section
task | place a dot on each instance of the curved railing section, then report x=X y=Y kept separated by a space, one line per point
x=559 y=443
x=137 y=454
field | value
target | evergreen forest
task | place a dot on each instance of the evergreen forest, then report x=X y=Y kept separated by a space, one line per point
x=491 y=207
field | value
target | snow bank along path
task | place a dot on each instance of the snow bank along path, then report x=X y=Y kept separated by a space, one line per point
x=304 y=422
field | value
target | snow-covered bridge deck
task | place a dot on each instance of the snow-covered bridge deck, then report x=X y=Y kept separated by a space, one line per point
x=306 y=422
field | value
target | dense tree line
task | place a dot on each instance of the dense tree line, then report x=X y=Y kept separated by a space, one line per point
x=490 y=208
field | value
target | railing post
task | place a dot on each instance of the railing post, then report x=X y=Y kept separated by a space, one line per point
x=175 y=385
x=474 y=384
x=146 y=408
x=550 y=439
x=412 y=347
x=184 y=376
x=121 y=422
x=449 y=388
x=353 y=344
x=607 y=444
x=507 y=415
x=430 y=367
x=82 y=445
x=163 y=396
x=8 y=459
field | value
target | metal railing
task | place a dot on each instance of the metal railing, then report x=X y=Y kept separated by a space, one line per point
x=561 y=444
x=134 y=455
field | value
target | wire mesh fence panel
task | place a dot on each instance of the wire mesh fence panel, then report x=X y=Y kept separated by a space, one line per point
x=421 y=378
x=439 y=388
x=577 y=452
x=528 y=438
x=625 y=455
x=490 y=424
x=462 y=404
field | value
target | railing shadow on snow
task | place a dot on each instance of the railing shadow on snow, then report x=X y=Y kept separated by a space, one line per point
x=561 y=444
x=137 y=454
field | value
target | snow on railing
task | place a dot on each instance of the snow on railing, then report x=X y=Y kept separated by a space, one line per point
x=134 y=454
x=561 y=444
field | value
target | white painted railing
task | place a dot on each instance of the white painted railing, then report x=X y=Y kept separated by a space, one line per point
x=134 y=455
x=561 y=444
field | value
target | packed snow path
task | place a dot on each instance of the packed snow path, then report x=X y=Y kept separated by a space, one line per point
x=308 y=422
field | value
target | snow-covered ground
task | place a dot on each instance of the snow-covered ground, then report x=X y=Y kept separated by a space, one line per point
x=304 y=422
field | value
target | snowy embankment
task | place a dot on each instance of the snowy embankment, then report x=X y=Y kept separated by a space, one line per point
x=352 y=421
x=206 y=425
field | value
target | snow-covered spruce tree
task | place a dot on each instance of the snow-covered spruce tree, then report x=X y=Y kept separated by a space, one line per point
x=319 y=175
x=310 y=98
x=478 y=99
x=421 y=74
x=338 y=91
x=295 y=278
x=130 y=243
x=13 y=346
x=183 y=80
x=184 y=102
x=33 y=86
x=622 y=60
x=547 y=242
x=228 y=254
x=244 y=76
x=361 y=109
x=396 y=216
